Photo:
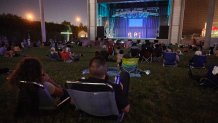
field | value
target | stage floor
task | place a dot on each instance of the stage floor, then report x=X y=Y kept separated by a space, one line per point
x=126 y=38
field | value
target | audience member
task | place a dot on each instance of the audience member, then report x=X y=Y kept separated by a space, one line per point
x=17 y=50
x=2 y=50
x=103 y=53
x=30 y=70
x=98 y=74
x=120 y=57
x=66 y=56
x=135 y=51
x=9 y=53
x=195 y=57
x=28 y=43
x=54 y=54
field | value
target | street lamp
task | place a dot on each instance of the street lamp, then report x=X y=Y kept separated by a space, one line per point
x=29 y=16
x=78 y=20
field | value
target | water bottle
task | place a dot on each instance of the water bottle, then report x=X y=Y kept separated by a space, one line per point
x=117 y=79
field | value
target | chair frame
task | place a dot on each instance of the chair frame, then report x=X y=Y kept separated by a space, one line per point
x=119 y=116
x=149 y=59
x=55 y=106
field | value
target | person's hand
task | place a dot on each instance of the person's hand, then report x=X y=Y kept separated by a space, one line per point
x=45 y=77
x=126 y=109
x=121 y=85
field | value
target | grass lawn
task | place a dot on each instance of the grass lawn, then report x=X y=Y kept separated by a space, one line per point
x=168 y=95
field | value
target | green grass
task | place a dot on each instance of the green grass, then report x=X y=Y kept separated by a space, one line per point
x=168 y=95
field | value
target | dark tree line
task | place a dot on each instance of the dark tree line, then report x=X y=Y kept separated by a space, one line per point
x=16 y=29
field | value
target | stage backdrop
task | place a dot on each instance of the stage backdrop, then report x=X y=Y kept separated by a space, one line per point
x=148 y=29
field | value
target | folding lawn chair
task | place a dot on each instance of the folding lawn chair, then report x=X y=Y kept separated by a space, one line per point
x=156 y=55
x=169 y=59
x=146 y=57
x=197 y=62
x=28 y=92
x=94 y=99
x=130 y=64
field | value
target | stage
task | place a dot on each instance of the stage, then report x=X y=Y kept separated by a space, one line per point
x=165 y=41
x=143 y=20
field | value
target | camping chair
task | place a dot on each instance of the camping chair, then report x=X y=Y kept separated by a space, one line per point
x=169 y=59
x=94 y=99
x=46 y=103
x=130 y=64
x=210 y=80
x=146 y=56
x=197 y=62
x=157 y=54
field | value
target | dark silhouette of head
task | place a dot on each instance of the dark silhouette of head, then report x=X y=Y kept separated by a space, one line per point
x=29 y=69
x=98 y=67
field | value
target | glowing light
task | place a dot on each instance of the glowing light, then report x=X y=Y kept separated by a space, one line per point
x=78 y=19
x=29 y=16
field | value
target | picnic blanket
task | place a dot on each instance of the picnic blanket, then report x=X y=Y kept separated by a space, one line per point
x=113 y=71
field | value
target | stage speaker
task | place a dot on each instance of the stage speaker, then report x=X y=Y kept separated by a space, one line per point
x=164 y=32
x=100 y=31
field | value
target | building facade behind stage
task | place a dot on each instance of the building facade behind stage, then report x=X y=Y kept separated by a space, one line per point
x=185 y=17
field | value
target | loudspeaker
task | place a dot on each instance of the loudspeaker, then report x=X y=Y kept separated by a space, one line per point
x=100 y=31
x=164 y=32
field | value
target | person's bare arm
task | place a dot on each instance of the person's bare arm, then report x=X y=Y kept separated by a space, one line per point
x=58 y=92
x=126 y=109
x=47 y=78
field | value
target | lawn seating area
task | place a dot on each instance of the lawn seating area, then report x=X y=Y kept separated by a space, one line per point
x=168 y=95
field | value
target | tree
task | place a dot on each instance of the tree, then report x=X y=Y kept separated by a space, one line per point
x=66 y=23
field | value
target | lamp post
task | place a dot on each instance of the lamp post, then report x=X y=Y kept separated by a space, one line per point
x=41 y=6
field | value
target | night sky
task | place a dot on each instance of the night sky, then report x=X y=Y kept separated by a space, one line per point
x=55 y=10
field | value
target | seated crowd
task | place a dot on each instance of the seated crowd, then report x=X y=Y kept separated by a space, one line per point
x=64 y=55
x=10 y=51
x=31 y=71
x=147 y=50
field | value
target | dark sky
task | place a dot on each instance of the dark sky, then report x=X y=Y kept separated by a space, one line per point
x=55 y=10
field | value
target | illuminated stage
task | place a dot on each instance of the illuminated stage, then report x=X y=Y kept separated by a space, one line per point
x=133 y=20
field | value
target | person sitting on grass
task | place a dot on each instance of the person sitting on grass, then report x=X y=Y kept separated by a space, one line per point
x=9 y=53
x=54 y=54
x=98 y=74
x=73 y=56
x=119 y=58
x=17 y=50
x=2 y=50
x=66 y=55
x=30 y=70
